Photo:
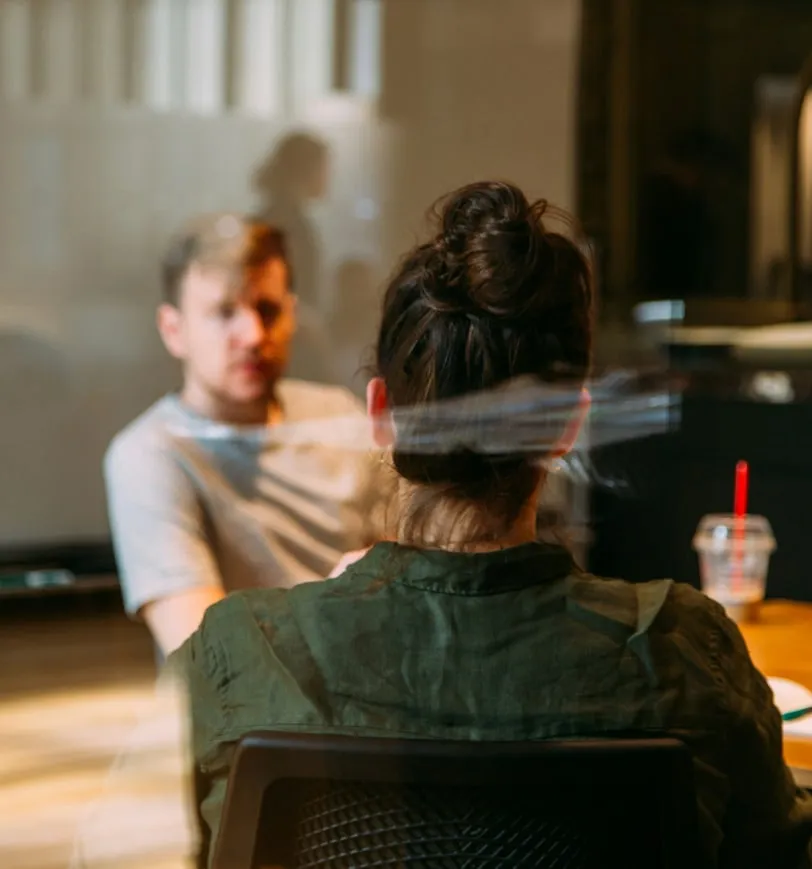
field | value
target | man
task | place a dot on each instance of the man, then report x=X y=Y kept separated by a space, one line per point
x=217 y=487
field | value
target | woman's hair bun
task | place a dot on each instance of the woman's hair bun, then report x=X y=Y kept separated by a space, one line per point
x=494 y=300
x=492 y=254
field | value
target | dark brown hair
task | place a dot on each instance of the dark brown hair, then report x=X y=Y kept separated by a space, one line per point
x=225 y=240
x=494 y=297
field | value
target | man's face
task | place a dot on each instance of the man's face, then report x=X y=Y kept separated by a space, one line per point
x=232 y=331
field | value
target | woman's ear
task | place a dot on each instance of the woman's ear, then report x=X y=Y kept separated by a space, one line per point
x=568 y=439
x=383 y=431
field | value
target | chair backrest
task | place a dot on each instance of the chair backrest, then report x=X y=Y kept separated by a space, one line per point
x=305 y=801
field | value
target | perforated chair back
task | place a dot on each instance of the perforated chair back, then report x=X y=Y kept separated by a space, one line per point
x=303 y=801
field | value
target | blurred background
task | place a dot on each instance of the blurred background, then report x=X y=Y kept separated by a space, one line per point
x=677 y=132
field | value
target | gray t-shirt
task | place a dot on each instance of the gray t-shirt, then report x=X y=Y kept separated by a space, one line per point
x=195 y=503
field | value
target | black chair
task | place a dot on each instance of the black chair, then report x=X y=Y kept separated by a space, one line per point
x=305 y=801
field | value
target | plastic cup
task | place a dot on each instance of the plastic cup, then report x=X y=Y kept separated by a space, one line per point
x=734 y=554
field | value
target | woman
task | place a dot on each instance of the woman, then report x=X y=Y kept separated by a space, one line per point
x=467 y=627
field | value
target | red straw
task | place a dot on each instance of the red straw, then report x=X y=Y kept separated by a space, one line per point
x=739 y=512
x=740 y=494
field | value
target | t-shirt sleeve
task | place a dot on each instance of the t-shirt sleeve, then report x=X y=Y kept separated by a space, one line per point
x=157 y=523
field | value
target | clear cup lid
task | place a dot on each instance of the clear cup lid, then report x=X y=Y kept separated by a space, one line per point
x=717 y=530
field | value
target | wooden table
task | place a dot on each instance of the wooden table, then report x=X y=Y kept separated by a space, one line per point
x=780 y=643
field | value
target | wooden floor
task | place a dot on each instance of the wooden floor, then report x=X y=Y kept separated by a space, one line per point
x=76 y=679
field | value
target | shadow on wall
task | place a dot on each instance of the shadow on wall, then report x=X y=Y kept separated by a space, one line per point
x=295 y=173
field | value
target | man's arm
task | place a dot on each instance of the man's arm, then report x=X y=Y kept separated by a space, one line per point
x=172 y=620
x=168 y=571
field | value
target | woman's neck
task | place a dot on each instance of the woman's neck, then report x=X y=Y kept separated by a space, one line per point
x=455 y=530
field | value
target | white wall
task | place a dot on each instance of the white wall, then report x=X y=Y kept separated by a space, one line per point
x=483 y=89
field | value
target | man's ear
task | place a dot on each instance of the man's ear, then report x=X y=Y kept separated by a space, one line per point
x=568 y=439
x=383 y=431
x=169 y=326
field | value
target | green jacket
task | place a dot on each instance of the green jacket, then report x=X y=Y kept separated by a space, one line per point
x=510 y=645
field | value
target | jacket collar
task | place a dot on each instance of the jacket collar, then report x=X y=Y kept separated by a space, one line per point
x=465 y=573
